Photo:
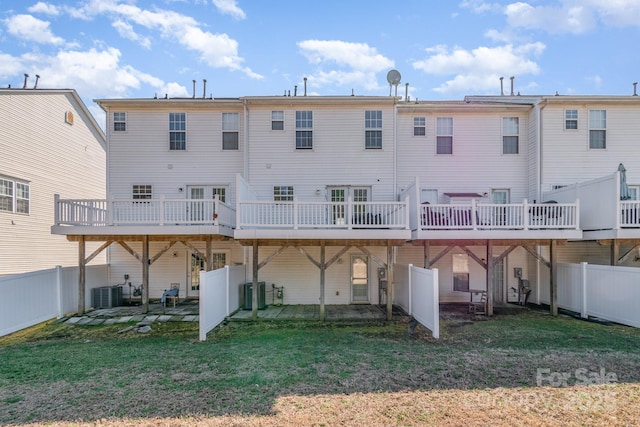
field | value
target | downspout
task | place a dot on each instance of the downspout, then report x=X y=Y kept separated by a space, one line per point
x=539 y=140
x=395 y=148
x=245 y=138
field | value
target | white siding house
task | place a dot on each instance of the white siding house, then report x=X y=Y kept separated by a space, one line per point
x=50 y=145
x=320 y=194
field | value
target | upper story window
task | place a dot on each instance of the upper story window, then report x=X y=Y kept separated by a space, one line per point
x=373 y=129
x=510 y=135
x=119 y=121
x=277 y=120
x=444 y=135
x=177 y=131
x=304 y=129
x=598 y=129
x=141 y=191
x=230 y=127
x=419 y=126
x=14 y=196
x=283 y=193
x=571 y=119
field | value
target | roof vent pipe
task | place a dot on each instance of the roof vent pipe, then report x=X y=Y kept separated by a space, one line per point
x=406 y=92
x=635 y=89
x=26 y=76
x=295 y=90
x=512 y=78
x=501 y=86
x=305 y=86
x=204 y=90
x=35 y=85
x=194 y=88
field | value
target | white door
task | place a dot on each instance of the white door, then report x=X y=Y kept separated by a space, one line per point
x=342 y=194
x=196 y=264
x=500 y=197
x=359 y=278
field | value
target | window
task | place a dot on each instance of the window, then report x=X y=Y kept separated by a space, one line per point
x=304 y=132
x=119 y=122
x=177 y=131
x=230 y=131
x=283 y=193
x=419 y=126
x=510 y=132
x=597 y=129
x=461 y=272
x=571 y=119
x=277 y=120
x=373 y=129
x=634 y=192
x=218 y=260
x=444 y=135
x=14 y=196
x=221 y=192
x=141 y=191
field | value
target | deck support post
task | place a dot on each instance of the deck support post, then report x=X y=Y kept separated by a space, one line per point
x=427 y=263
x=490 y=277
x=145 y=274
x=615 y=252
x=323 y=267
x=209 y=259
x=254 y=294
x=553 y=278
x=82 y=268
x=389 y=281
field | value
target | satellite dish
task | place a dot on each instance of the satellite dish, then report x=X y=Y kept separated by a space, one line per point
x=393 y=77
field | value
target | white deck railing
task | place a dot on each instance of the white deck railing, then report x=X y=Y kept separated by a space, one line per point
x=329 y=215
x=514 y=216
x=103 y=212
x=629 y=213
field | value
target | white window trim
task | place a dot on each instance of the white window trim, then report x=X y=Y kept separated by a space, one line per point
x=273 y=120
x=564 y=120
x=126 y=127
x=517 y=135
x=186 y=119
x=451 y=135
x=14 y=195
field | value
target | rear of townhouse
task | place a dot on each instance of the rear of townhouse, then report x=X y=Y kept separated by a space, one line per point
x=320 y=196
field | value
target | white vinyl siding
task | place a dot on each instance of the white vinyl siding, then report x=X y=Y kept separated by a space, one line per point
x=47 y=157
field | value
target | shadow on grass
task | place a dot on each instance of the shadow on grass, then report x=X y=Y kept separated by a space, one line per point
x=57 y=372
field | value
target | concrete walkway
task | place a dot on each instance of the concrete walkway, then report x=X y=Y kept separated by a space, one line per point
x=186 y=311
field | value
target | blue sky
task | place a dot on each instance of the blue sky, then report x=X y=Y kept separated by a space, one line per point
x=443 y=49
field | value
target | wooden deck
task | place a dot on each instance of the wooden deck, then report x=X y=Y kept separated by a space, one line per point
x=350 y=312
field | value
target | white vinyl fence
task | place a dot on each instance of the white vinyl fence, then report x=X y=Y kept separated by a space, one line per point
x=219 y=296
x=603 y=291
x=34 y=297
x=415 y=289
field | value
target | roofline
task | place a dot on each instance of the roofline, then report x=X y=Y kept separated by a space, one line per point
x=75 y=96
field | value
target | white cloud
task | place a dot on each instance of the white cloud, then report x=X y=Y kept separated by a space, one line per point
x=44 y=8
x=480 y=68
x=28 y=28
x=126 y=31
x=216 y=50
x=480 y=6
x=573 y=16
x=229 y=7
x=357 y=63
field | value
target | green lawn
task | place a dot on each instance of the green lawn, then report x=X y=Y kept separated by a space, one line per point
x=528 y=369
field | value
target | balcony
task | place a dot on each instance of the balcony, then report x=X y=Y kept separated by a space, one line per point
x=497 y=221
x=150 y=216
x=322 y=220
